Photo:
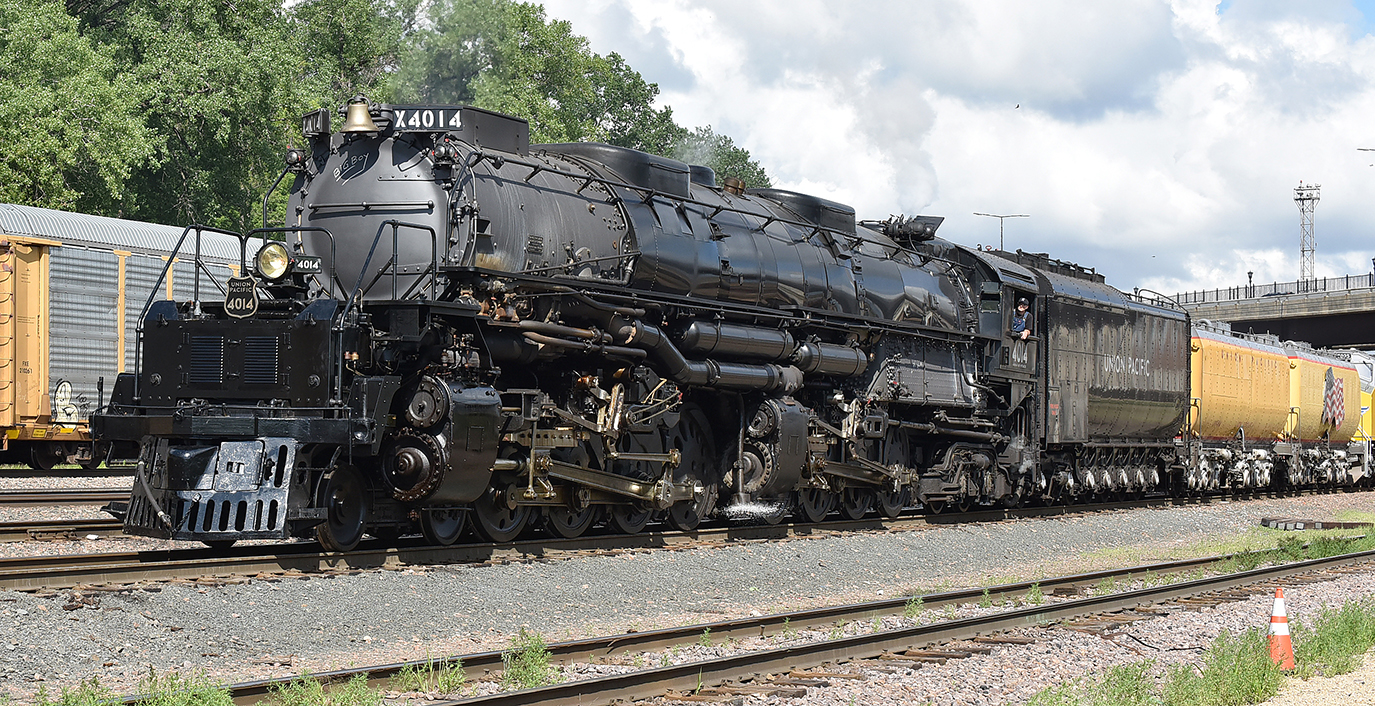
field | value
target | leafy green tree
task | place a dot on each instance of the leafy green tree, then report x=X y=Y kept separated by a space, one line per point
x=704 y=146
x=215 y=94
x=70 y=130
x=347 y=47
x=442 y=60
x=508 y=56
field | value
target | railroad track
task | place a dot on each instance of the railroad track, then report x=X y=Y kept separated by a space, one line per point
x=62 y=496
x=41 y=530
x=785 y=670
x=302 y=557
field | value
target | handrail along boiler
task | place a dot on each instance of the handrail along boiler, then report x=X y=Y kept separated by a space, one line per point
x=463 y=328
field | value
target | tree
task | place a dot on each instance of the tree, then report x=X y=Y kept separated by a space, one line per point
x=220 y=96
x=442 y=60
x=347 y=47
x=703 y=146
x=70 y=129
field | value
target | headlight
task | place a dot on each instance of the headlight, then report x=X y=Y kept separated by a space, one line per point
x=273 y=261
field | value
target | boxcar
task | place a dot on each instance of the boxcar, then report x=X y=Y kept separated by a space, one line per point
x=72 y=287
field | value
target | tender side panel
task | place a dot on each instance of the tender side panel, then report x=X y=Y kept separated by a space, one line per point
x=1238 y=384
x=1114 y=371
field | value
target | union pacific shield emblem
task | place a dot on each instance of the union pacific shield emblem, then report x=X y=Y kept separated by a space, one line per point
x=241 y=297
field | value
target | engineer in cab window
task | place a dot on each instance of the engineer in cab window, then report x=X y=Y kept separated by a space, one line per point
x=1021 y=319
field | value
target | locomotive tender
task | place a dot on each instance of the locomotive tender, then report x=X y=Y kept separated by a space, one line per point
x=461 y=327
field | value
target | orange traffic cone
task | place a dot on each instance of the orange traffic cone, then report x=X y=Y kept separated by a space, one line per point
x=1281 y=647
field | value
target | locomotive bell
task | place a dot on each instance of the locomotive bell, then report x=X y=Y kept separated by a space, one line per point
x=358 y=118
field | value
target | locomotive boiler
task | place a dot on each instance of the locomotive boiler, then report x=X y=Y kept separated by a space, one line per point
x=456 y=328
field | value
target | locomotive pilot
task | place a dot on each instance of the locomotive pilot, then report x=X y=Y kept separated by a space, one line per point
x=1021 y=319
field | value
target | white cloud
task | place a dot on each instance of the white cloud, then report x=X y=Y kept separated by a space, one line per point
x=1156 y=141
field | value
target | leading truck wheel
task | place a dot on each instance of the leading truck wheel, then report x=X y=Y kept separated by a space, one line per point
x=344 y=497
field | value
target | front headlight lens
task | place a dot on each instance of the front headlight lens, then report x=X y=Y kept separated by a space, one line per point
x=273 y=261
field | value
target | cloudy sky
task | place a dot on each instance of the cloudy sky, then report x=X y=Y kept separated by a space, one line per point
x=1159 y=141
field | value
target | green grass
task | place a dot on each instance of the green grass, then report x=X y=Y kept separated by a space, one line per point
x=309 y=692
x=985 y=601
x=913 y=607
x=169 y=690
x=1123 y=685
x=442 y=677
x=705 y=639
x=526 y=662
x=1335 y=641
x=1034 y=595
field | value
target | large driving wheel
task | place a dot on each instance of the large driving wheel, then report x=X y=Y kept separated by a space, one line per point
x=693 y=439
x=442 y=526
x=568 y=523
x=628 y=519
x=496 y=521
x=891 y=503
x=813 y=504
x=344 y=497
x=855 y=503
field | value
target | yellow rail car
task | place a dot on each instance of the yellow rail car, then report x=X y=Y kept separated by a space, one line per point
x=1239 y=389
x=1239 y=386
x=72 y=288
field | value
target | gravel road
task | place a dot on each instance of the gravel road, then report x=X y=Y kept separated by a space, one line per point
x=272 y=627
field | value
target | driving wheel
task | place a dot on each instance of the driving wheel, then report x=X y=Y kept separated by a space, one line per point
x=813 y=504
x=344 y=497
x=891 y=503
x=496 y=521
x=692 y=438
x=442 y=526
x=855 y=503
x=628 y=519
x=568 y=523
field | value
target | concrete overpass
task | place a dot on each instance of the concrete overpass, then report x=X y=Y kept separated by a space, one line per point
x=1326 y=312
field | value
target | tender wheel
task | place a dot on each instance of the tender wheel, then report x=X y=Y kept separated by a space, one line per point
x=813 y=504
x=891 y=503
x=345 y=499
x=442 y=526
x=569 y=523
x=936 y=507
x=495 y=521
x=218 y=545
x=855 y=503
x=45 y=457
x=628 y=519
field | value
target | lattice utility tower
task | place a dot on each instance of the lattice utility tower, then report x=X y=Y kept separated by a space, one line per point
x=1307 y=199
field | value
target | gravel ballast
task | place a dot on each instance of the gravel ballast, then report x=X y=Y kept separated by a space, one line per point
x=262 y=628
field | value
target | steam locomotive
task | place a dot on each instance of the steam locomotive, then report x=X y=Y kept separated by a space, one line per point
x=455 y=327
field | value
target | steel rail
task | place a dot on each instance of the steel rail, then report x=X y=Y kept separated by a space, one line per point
x=66 y=571
x=58 y=529
x=62 y=496
x=717 y=671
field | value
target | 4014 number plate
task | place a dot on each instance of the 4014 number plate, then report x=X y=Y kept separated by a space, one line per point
x=241 y=297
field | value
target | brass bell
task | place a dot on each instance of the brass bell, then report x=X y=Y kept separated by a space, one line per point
x=358 y=118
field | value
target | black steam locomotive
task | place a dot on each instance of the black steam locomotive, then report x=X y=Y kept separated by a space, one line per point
x=457 y=327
